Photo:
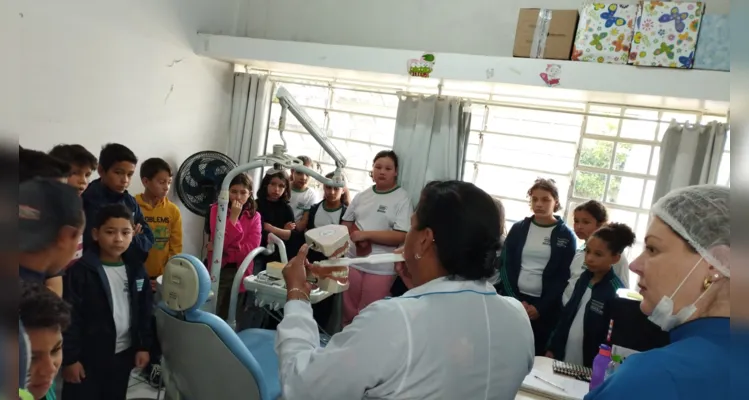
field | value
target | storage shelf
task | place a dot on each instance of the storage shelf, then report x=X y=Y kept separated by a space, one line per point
x=705 y=86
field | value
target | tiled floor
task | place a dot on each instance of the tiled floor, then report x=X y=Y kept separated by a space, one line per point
x=140 y=389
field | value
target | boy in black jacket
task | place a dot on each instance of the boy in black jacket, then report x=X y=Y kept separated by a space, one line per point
x=111 y=299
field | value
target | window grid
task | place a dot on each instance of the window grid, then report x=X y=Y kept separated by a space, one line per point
x=522 y=112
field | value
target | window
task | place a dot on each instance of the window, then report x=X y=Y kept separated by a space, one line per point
x=359 y=123
x=618 y=161
x=512 y=145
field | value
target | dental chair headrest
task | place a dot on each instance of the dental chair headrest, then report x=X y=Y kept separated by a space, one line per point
x=186 y=284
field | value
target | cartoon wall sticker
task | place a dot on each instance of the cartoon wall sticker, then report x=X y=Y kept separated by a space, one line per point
x=421 y=67
x=552 y=75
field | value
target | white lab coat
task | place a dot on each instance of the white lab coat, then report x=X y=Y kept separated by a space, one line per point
x=442 y=340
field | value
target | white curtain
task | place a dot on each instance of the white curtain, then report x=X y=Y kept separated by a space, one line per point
x=690 y=155
x=431 y=137
x=249 y=119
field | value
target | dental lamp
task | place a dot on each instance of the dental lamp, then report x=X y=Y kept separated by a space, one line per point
x=277 y=156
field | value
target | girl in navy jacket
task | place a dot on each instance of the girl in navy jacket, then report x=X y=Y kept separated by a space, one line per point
x=583 y=325
x=110 y=294
x=535 y=261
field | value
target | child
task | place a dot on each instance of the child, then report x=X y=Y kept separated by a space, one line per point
x=165 y=221
x=50 y=224
x=44 y=316
x=378 y=220
x=535 y=261
x=329 y=211
x=116 y=169
x=36 y=164
x=162 y=216
x=82 y=164
x=243 y=231
x=112 y=307
x=301 y=197
x=589 y=217
x=278 y=217
x=582 y=327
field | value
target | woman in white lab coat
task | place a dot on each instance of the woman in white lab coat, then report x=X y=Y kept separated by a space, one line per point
x=449 y=337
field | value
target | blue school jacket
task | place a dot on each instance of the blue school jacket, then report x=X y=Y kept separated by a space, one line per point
x=97 y=195
x=91 y=337
x=595 y=325
x=557 y=272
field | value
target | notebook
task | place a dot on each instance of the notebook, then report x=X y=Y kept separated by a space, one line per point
x=576 y=371
x=554 y=386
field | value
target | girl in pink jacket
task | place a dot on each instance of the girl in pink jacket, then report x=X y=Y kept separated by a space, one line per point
x=243 y=228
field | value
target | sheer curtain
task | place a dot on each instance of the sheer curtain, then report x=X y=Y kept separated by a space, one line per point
x=433 y=133
x=690 y=155
x=249 y=119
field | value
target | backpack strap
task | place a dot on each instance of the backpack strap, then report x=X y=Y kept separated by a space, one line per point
x=311 y=217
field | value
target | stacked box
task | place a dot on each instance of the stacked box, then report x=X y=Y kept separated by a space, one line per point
x=666 y=34
x=713 y=46
x=605 y=33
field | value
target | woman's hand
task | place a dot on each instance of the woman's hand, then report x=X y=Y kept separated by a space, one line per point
x=549 y=355
x=141 y=359
x=402 y=271
x=290 y=226
x=295 y=274
x=73 y=373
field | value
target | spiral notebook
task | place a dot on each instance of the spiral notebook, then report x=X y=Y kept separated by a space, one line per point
x=554 y=386
x=576 y=371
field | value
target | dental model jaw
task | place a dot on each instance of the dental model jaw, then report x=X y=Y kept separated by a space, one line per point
x=332 y=241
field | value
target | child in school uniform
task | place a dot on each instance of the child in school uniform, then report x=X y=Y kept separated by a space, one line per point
x=278 y=217
x=329 y=211
x=582 y=327
x=112 y=302
x=301 y=196
x=165 y=221
x=242 y=235
x=589 y=217
x=378 y=219
x=116 y=169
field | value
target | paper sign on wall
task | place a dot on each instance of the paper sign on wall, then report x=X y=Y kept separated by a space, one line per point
x=421 y=67
x=552 y=75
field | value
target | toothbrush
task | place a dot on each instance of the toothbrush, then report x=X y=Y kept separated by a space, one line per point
x=373 y=259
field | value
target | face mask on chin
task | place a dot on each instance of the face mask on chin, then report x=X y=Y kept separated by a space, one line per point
x=663 y=314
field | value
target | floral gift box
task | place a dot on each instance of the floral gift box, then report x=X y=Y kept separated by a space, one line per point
x=605 y=32
x=713 y=46
x=666 y=34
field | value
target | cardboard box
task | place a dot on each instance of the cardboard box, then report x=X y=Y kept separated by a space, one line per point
x=544 y=33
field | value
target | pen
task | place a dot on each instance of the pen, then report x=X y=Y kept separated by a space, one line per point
x=549 y=383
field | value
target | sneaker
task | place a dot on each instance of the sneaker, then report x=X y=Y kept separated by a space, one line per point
x=155 y=378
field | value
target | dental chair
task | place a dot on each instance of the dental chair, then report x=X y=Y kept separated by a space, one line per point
x=206 y=358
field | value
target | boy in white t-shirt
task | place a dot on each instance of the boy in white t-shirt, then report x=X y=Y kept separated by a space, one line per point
x=111 y=300
x=378 y=219
x=302 y=196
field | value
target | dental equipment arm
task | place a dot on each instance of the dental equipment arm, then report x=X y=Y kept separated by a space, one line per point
x=278 y=156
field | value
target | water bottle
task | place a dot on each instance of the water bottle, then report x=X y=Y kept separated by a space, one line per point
x=613 y=365
x=600 y=364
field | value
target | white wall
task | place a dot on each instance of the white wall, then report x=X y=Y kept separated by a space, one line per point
x=93 y=72
x=484 y=27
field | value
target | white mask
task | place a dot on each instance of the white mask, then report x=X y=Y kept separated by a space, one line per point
x=663 y=314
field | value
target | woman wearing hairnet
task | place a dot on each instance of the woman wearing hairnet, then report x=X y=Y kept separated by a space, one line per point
x=684 y=280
